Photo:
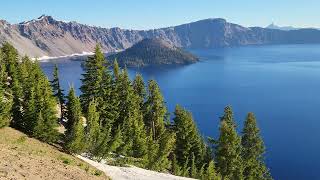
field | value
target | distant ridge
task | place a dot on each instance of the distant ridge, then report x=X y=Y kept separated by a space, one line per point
x=153 y=52
x=284 y=28
x=46 y=36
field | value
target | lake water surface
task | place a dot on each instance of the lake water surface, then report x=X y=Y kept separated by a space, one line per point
x=280 y=84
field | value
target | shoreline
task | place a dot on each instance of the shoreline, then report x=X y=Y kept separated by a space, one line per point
x=44 y=58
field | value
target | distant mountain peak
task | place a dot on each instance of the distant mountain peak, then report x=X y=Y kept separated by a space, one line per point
x=283 y=28
x=43 y=19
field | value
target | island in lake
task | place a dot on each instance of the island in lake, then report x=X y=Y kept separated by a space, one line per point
x=153 y=52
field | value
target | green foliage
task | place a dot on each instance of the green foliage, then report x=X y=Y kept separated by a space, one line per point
x=175 y=168
x=58 y=91
x=185 y=168
x=228 y=151
x=92 y=81
x=253 y=150
x=210 y=173
x=155 y=110
x=140 y=89
x=75 y=131
x=189 y=142
x=153 y=52
x=5 y=107
x=93 y=126
x=193 y=168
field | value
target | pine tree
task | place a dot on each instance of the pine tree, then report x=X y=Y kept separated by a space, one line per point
x=92 y=81
x=156 y=111
x=75 y=131
x=186 y=168
x=175 y=167
x=5 y=107
x=201 y=173
x=228 y=150
x=58 y=91
x=131 y=119
x=93 y=126
x=139 y=89
x=47 y=123
x=10 y=58
x=228 y=116
x=16 y=111
x=31 y=114
x=210 y=173
x=116 y=69
x=193 y=168
x=252 y=151
x=165 y=146
x=116 y=141
x=189 y=142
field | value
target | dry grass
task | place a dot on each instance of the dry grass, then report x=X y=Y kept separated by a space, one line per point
x=22 y=157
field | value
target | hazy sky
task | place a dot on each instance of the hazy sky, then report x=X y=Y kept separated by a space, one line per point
x=146 y=14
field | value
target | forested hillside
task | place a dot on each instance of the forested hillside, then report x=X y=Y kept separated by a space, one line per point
x=153 y=52
x=124 y=119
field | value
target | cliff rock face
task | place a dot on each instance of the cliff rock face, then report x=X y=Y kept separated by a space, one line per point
x=46 y=36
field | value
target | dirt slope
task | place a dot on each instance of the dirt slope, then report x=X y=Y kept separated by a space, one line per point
x=22 y=157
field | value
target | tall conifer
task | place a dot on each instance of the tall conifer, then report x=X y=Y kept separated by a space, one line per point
x=75 y=132
x=228 y=152
x=58 y=91
x=252 y=151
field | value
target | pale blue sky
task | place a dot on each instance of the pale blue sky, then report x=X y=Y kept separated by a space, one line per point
x=146 y=14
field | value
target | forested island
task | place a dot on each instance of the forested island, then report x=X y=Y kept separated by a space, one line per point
x=153 y=52
x=124 y=121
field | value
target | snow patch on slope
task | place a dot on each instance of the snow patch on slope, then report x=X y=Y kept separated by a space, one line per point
x=129 y=173
x=43 y=58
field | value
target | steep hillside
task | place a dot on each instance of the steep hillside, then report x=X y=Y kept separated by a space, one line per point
x=46 y=36
x=26 y=158
x=153 y=52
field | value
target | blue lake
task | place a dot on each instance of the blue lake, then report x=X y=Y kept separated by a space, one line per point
x=280 y=84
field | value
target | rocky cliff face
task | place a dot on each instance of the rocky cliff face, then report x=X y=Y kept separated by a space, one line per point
x=46 y=36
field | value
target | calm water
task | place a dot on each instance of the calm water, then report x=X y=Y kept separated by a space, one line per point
x=280 y=84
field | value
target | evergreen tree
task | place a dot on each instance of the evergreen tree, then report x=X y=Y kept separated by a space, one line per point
x=175 y=167
x=210 y=172
x=186 y=168
x=139 y=89
x=75 y=133
x=93 y=126
x=189 y=142
x=92 y=81
x=156 y=111
x=131 y=119
x=166 y=145
x=252 y=151
x=16 y=111
x=58 y=91
x=116 y=141
x=228 y=151
x=193 y=168
x=201 y=173
x=5 y=107
x=11 y=61
x=47 y=123
x=228 y=116
x=31 y=114
x=116 y=69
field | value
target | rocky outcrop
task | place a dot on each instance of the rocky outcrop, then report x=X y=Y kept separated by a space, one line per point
x=46 y=36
